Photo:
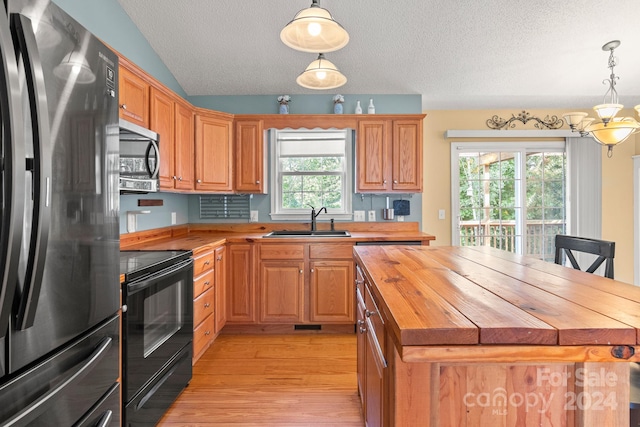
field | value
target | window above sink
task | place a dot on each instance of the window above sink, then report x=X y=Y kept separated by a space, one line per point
x=311 y=168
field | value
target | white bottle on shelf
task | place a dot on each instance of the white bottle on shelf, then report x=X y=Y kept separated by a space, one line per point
x=372 y=108
x=358 y=108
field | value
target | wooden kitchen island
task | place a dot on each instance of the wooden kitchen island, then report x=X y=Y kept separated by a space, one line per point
x=461 y=336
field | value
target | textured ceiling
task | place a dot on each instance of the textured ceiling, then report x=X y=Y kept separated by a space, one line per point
x=457 y=54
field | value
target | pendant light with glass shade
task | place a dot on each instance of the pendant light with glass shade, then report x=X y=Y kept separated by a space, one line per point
x=321 y=74
x=609 y=130
x=314 y=30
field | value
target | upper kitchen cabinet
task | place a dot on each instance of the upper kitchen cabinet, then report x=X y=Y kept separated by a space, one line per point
x=214 y=153
x=389 y=155
x=250 y=156
x=133 y=96
x=162 y=121
x=183 y=162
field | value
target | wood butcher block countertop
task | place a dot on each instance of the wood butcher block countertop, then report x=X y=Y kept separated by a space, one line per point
x=450 y=296
x=194 y=236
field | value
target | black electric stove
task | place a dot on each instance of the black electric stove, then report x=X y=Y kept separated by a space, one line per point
x=136 y=264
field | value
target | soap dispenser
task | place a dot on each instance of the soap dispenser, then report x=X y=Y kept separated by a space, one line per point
x=372 y=108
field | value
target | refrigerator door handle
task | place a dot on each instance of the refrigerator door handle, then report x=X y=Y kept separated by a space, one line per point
x=12 y=182
x=105 y=419
x=40 y=405
x=41 y=171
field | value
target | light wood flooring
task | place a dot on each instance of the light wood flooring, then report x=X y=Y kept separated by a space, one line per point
x=272 y=380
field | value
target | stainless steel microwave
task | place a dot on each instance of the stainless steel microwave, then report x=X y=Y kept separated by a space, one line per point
x=139 y=159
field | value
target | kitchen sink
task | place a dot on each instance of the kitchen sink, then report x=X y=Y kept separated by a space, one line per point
x=308 y=233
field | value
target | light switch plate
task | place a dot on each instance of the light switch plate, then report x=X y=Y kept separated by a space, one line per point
x=372 y=215
x=174 y=218
x=441 y=214
x=358 y=215
x=254 y=216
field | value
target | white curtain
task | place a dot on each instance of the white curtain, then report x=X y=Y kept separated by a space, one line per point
x=584 y=192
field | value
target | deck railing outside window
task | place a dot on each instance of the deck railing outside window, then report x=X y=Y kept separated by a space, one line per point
x=502 y=235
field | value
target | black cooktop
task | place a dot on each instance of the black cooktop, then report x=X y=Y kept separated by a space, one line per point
x=134 y=264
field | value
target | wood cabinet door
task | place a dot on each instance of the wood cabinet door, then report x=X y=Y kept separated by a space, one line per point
x=133 y=97
x=221 y=288
x=213 y=154
x=241 y=302
x=331 y=295
x=184 y=152
x=250 y=156
x=407 y=155
x=282 y=291
x=372 y=156
x=162 y=121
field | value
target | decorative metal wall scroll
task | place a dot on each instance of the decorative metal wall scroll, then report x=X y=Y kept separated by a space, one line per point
x=552 y=122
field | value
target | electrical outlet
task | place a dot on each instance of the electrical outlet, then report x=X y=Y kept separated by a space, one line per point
x=441 y=214
x=174 y=218
x=358 y=216
x=400 y=218
x=372 y=215
x=254 y=216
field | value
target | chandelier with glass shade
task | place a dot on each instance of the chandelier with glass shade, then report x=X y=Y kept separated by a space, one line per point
x=314 y=30
x=608 y=129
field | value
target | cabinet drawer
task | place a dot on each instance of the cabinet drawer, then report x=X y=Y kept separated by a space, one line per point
x=331 y=250
x=202 y=283
x=202 y=336
x=203 y=306
x=281 y=251
x=202 y=263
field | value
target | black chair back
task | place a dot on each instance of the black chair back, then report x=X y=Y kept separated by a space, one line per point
x=604 y=249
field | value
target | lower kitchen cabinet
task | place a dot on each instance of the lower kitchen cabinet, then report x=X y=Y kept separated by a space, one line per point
x=372 y=365
x=303 y=283
x=282 y=291
x=203 y=300
x=331 y=296
x=220 y=311
x=241 y=293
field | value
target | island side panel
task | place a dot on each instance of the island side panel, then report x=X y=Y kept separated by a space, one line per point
x=507 y=394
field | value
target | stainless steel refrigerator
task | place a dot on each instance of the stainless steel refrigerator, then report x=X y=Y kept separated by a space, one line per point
x=59 y=233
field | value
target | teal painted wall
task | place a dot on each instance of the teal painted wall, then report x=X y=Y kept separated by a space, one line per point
x=310 y=104
x=107 y=20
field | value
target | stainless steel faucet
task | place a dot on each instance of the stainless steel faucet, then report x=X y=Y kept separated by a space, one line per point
x=314 y=214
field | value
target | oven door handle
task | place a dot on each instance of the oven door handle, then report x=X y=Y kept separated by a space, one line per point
x=162 y=274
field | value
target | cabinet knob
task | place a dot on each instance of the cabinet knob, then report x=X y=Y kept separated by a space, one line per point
x=179 y=178
x=207 y=262
x=369 y=313
x=207 y=333
x=219 y=258
x=207 y=305
x=206 y=283
x=312 y=270
x=199 y=181
x=395 y=181
x=359 y=282
x=258 y=182
x=123 y=106
x=363 y=330
x=174 y=177
x=301 y=271
x=360 y=322
x=384 y=181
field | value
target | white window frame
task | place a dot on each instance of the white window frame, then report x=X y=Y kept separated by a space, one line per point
x=279 y=214
x=521 y=147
